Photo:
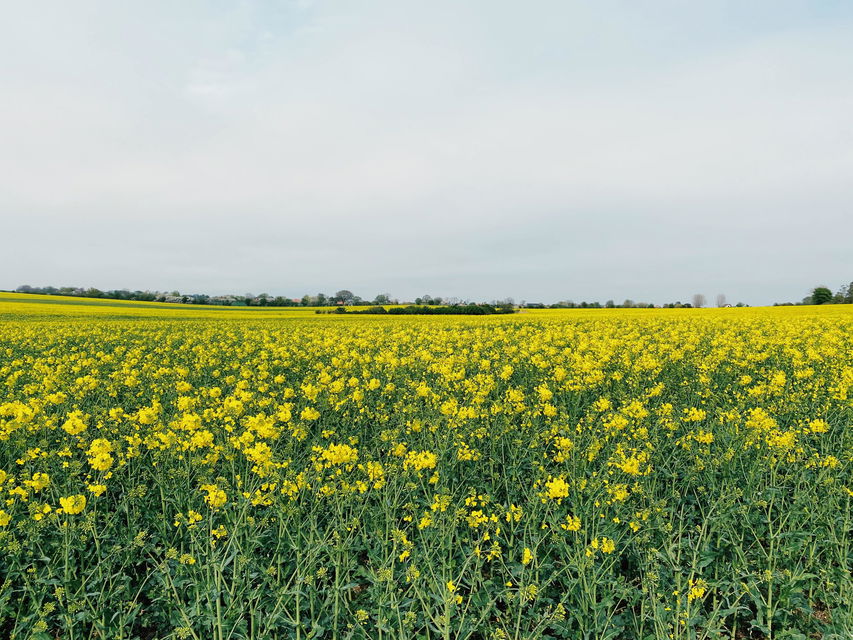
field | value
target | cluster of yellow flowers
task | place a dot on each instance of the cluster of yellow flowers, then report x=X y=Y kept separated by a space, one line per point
x=534 y=439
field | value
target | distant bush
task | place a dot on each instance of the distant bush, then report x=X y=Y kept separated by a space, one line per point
x=422 y=310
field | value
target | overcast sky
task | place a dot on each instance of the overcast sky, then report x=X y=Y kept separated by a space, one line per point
x=540 y=150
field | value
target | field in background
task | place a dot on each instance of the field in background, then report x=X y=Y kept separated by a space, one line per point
x=32 y=305
x=208 y=472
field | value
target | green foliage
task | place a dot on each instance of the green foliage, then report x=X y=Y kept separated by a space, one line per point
x=416 y=310
x=821 y=295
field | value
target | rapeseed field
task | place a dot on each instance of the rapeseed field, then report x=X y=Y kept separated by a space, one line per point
x=608 y=474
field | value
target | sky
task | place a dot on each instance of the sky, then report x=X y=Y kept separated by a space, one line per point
x=544 y=151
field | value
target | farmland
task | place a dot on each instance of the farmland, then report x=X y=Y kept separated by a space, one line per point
x=242 y=473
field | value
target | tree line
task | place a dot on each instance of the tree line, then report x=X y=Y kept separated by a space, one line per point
x=176 y=297
x=344 y=297
x=482 y=309
x=822 y=294
x=697 y=301
x=819 y=295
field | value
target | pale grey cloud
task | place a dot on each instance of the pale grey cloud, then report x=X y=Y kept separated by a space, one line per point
x=556 y=150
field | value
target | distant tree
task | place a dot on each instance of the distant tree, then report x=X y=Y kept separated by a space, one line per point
x=628 y=304
x=698 y=300
x=382 y=298
x=609 y=304
x=306 y=300
x=844 y=295
x=721 y=299
x=821 y=295
x=344 y=295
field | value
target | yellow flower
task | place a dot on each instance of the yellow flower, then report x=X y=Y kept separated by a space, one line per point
x=74 y=424
x=376 y=474
x=694 y=415
x=215 y=497
x=630 y=466
x=420 y=460
x=704 y=437
x=819 y=426
x=697 y=589
x=42 y=511
x=572 y=523
x=339 y=454
x=73 y=504
x=514 y=513
x=38 y=482
x=557 y=489
x=412 y=573
x=99 y=445
x=101 y=461
x=309 y=414
x=5 y=518
x=96 y=489
x=526 y=556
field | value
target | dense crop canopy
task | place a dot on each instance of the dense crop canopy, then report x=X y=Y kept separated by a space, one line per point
x=238 y=474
